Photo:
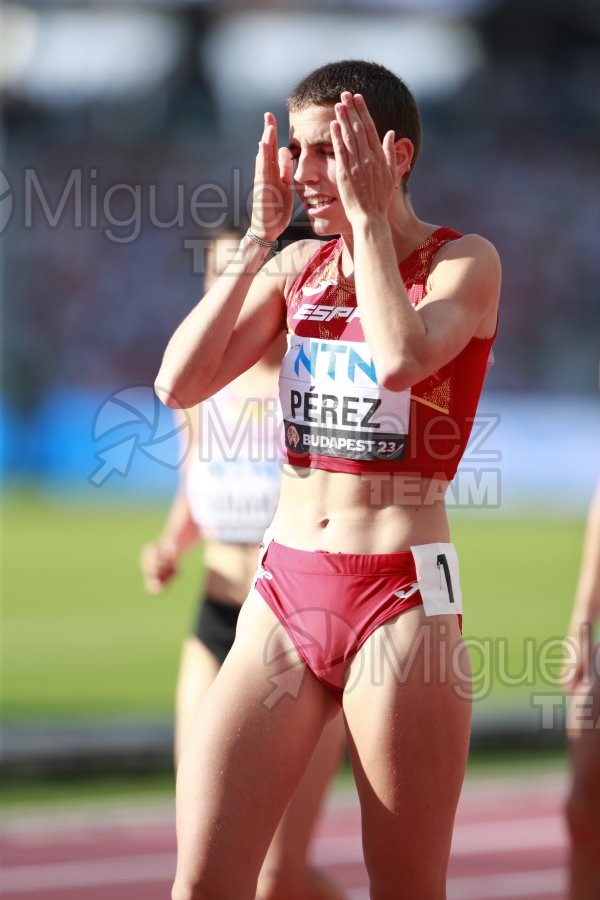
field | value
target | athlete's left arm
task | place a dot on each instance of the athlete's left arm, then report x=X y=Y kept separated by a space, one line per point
x=461 y=302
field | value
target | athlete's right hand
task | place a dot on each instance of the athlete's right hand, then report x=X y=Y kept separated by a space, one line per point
x=158 y=563
x=272 y=196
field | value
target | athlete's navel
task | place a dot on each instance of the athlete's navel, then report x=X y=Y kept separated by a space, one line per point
x=324 y=523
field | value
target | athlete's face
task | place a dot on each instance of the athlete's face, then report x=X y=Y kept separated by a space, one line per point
x=314 y=169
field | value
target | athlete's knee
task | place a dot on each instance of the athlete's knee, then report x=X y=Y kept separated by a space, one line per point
x=183 y=890
x=421 y=879
x=200 y=888
x=272 y=886
x=389 y=891
x=272 y=879
x=214 y=881
x=311 y=884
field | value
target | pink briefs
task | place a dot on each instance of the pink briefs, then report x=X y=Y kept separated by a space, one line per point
x=329 y=603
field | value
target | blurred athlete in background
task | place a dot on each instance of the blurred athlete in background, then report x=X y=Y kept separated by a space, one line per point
x=227 y=496
x=583 y=724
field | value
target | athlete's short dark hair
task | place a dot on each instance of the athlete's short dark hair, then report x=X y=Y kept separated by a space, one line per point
x=388 y=99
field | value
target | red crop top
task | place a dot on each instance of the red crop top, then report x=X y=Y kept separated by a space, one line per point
x=335 y=414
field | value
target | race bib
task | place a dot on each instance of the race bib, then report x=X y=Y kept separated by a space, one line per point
x=332 y=404
x=437 y=578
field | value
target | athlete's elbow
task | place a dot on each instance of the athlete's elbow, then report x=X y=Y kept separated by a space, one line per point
x=167 y=395
x=397 y=375
x=172 y=392
x=395 y=381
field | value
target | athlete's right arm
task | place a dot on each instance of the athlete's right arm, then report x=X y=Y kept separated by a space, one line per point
x=199 y=347
x=208 y=340
x=233 y=325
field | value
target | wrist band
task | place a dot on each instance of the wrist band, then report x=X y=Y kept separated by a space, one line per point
x=272 y=245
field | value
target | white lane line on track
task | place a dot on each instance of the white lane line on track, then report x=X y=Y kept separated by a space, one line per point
x=546 y=883
x=139 y=869
x=526 y=833
x=520 y=834
x=549 y=884
x=116 y=870
x=159 y=867
x=468 y=840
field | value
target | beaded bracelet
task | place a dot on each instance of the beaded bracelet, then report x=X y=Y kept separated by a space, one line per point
x=272 y=245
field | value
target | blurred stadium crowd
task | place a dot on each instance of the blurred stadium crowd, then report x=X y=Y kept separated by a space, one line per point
x=121 y=113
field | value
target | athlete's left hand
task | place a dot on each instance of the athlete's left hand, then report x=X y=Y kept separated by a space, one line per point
x=365 y=167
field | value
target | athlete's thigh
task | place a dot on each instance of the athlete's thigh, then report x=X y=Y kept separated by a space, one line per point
x=293 y=835
x=408 y=710
x=247 y=748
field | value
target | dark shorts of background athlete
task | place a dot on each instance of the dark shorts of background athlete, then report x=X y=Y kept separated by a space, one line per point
x=215 y=626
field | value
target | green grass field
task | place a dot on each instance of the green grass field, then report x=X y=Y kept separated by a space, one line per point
x=80 y=636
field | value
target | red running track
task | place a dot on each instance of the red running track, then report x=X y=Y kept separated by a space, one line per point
x=509 y=842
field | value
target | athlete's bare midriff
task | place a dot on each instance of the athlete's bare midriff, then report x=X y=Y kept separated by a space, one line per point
x=366 y=513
